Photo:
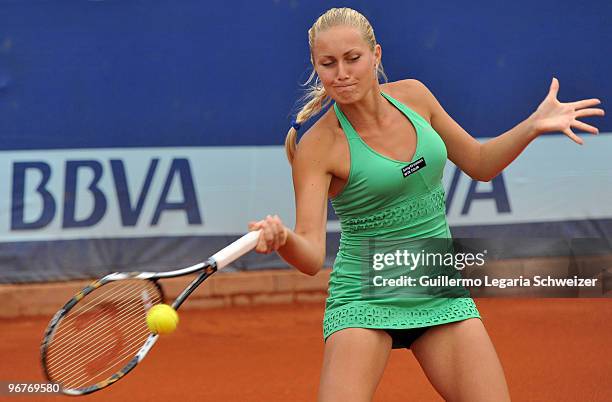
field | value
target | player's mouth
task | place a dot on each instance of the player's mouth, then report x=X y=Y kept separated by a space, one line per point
x=345 y=88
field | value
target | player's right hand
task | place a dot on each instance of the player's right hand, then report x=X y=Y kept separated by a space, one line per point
x=273 y=234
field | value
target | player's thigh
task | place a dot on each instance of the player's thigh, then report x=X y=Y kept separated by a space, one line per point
x=353 y=364
x=460 y=361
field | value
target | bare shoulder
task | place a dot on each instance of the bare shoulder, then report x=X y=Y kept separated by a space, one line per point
x=319 y=142
x=408 y=87
x=412 y=93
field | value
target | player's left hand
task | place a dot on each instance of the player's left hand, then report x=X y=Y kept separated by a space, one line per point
x=555 y=116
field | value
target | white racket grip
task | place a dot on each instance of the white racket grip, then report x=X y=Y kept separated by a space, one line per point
x=237 y=249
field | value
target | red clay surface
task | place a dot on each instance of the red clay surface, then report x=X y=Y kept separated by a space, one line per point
x=551 y=350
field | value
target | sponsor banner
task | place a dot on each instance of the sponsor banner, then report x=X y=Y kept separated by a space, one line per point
x=161 y=192
x=554 y=179
x=71 y=214
x=118 y=193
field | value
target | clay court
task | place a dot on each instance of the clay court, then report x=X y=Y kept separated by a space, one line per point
x=551 y=350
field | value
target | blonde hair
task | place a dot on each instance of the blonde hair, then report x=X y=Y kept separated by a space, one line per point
x=316 y=97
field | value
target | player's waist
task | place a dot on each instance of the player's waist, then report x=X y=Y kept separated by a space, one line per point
x=411 y=214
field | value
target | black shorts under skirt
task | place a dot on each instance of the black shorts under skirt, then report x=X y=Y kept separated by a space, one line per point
x=403 y=338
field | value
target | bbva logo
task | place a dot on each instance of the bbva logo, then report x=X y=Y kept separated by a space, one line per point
x=130 y=205
x=498 y=194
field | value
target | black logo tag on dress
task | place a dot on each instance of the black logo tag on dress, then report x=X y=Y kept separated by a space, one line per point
x=413 y=167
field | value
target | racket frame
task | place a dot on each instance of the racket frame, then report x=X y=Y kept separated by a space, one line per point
x=208 y=267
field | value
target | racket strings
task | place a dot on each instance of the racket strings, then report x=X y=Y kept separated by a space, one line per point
x=78 y=313
x=98 y=318
x=96 y=353
x=86 y=350
x=106 y=343
x=102 y=333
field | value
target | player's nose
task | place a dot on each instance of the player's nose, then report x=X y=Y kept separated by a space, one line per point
x=342 y=73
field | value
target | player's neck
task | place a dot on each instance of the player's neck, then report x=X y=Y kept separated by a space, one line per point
x=369 y=112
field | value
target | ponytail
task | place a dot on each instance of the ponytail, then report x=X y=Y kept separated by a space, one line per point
x=315 y=100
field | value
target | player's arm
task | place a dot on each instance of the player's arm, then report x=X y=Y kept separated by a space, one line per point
x=484 y=162
x=480 y=161
x=304 y=247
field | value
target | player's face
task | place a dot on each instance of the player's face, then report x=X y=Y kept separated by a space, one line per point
x=344 y=63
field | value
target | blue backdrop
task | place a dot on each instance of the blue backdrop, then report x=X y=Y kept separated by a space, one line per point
x=82 y=74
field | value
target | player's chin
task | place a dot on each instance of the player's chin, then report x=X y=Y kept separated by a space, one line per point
x=347 y=96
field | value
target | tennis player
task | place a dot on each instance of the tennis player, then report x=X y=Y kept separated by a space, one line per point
x=357 y=154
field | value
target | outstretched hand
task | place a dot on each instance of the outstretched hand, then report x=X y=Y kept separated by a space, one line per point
x=556 y=116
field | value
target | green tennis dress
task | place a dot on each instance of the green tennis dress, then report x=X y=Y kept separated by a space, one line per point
x=392 y=200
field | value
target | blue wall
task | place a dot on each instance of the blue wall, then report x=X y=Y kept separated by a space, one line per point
x=83 y=74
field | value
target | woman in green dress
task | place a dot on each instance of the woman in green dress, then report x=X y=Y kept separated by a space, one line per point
x=379 y=154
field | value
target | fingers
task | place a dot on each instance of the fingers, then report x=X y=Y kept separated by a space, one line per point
x=573 y=136
x=278 y=227
x=586 y=113
x=590 y=112
x=585 y=127
x=554 y=88
x=581 y=104
x=261 y=244
x=273 y=234
x=253 y=225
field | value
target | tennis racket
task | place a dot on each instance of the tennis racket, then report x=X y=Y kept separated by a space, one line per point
x=101 y=334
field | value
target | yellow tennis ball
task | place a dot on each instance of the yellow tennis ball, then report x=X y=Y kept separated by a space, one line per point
x=162 y=319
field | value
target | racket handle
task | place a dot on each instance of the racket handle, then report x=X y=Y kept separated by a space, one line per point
x=237 y=249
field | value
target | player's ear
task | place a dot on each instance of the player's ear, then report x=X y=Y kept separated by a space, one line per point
x=378 y=54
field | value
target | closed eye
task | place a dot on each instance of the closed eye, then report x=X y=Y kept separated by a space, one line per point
x=353 y=59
